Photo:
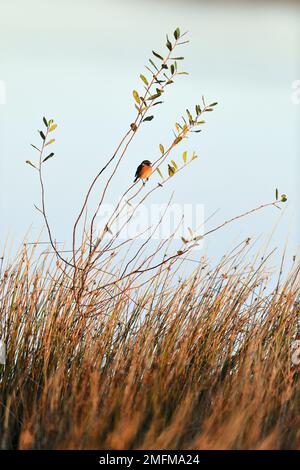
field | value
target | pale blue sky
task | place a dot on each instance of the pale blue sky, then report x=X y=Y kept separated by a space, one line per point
x=78 y=62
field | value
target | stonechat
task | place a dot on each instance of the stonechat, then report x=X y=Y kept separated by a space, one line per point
x=144 y=171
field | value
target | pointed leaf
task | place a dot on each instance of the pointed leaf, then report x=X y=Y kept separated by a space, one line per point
x=169 y=44
x=35 y=147
x=171 y=170
x=144 y=79
x=50 y=142
x=189 y=116
x=49 y=156
x=157 y=55
x=53 y=127
x=148 y=118
x=153 y=64
x=177 y=33
x=177 y=140
x=136 y=96
x=31 y=164
x=174 y=164
x=159 y=172
x=153 y=97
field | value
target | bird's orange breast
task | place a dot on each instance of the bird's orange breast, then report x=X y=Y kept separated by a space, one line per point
x=146 y=171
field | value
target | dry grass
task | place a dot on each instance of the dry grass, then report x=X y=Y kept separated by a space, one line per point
x=202 y=363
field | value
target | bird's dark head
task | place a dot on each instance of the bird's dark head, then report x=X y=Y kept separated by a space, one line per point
x=147 y=163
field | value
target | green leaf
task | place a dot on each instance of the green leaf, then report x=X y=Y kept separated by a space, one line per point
x=35 y=147
x=276 y=194
x=153 y=97
x=45 y=121
x=172 y=69
x=283 y=198
x=169 y=44
x=161 y=148
x=171 y=170
x=153 y=64
x=174 y=164
x=157 y=55
x=213 y=104
x=148 y=118
x=31 y=164
x=184 y=156
x=144 y=79
x=185 y=241
x=136 y=96
x=177 y=33
x=177 y=58
x=42 y=135
x=49 y=156
x=189 y=116
x=160 y=173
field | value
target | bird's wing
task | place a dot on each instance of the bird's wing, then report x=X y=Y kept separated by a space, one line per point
x=138 y=171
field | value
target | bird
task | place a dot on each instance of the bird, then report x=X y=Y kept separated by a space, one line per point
x=144 y=171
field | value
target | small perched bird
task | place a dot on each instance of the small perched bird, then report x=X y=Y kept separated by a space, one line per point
x=144 y=170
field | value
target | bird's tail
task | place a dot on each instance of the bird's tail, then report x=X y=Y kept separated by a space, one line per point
x=135 y=179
